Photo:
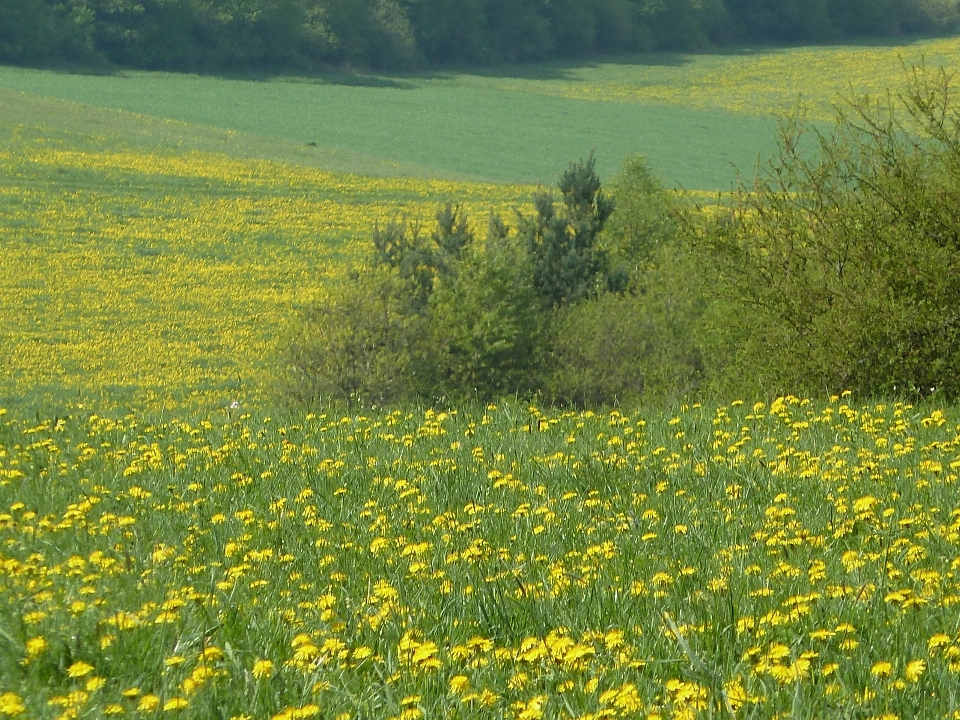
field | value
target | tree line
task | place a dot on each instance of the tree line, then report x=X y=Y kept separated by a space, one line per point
x=837 y=268
x=215 y=35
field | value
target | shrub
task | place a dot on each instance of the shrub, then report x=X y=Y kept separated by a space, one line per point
x=643 y=221
x=567 y=263
x=360 y=345
x=644 y=345
x=487 y=326
x=843 y=257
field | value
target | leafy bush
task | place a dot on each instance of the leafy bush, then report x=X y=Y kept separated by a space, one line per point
x=647 y=343
x=487 y=326
x=643 y=222
x=360 y=345
x=843 y=257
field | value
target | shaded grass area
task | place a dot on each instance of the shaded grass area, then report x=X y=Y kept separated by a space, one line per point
x=91 y=127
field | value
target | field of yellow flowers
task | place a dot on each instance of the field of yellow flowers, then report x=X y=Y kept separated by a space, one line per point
x=795 y=559
x=165 y=278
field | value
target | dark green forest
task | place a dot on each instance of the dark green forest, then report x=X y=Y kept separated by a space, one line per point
x=216 y=35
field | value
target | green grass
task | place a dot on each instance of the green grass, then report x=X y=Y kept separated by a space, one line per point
x=797 y=559
x=451 y=127
x=697 y=117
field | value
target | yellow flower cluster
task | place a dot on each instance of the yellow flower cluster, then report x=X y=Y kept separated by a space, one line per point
x=752 y=83
x=159 y=279
x=501 y=562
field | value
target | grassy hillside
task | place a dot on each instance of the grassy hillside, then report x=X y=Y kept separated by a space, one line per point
x=749 y=561
x=453 y=127
x=159 y=229
x=696 y=116
x=166 y=275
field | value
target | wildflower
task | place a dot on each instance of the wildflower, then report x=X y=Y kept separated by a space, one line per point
x=262 y=669
x=914 y=669
x=35 y=646
x=211 y=653
x=531 y=710
x=148 y=703
x=882 y=669
x=11 y=704
x=459 y=683
x=936 y=642
x=177 y=703
x=79 y=669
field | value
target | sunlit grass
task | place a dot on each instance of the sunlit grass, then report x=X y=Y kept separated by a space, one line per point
x=165 y=277
x=752 y=82
x=794 y=559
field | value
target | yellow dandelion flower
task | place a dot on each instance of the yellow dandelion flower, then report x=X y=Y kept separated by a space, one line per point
x=35 y=646
x=148 y=703
x=177 y=703
x=936 y=642
x=79 y=669
x=882 y=669
x=459 y=683
x=262 y=669
x=11 y=704
x=113 y=709
x=914 y=669
x=211 y=653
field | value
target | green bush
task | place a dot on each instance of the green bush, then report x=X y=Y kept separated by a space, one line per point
x=643 y=221
x=487 y=327
x=643 y=345
x=527 y=312
x=843 y=257
x=359 y=345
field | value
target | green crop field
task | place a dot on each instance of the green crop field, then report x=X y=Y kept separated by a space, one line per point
x=173 y=545
x=696 y=117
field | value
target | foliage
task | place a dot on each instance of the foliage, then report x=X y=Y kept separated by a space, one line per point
x=268 y=34
x=482 y=561
x=488 y=306
x=568 y=265
x=364 y=344
x=644 y=219
x=646 y=345
x=844 y=257
x=488 y=328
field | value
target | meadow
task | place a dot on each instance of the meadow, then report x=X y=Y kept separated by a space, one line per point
x=797 y=559
x=697 y=117
x=162 y=278
x=173 y=544
x=160 y=231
